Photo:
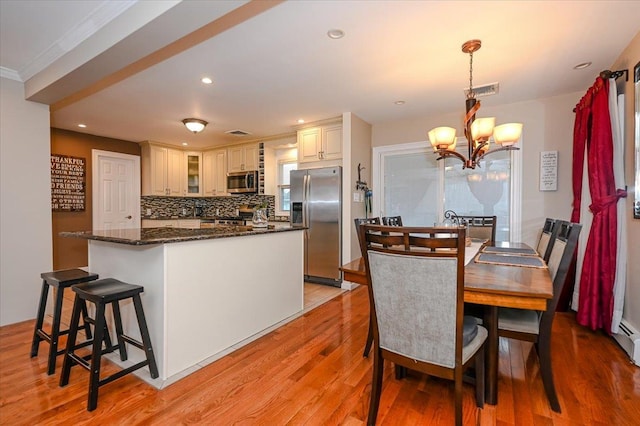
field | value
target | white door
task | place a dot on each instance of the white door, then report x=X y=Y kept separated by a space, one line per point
x=116 y=190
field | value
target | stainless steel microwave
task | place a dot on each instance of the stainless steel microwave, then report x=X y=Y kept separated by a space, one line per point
x=242 y=182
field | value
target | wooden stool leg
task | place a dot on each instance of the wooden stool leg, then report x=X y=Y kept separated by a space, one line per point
x=55 y=331
x=146 y=339
x=35 y=344
x=96 y=357
x=71 y=342
x=85 y=315
x=115 y=305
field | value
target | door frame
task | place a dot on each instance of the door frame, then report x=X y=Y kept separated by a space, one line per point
x=96 y=155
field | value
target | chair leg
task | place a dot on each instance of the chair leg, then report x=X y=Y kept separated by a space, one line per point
x=35 y=343
x=96 y=357
x=85 y=315
x=71 y=342
x=146 y=339
x=458 y=395
x=367 y=346
x=479 y=366
x=55 y=331
x=544 y=355
x=376 y=386
x=119 y=331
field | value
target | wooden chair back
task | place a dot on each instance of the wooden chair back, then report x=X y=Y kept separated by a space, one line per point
x=392 y=220
x=548 y=237
x=481 y=227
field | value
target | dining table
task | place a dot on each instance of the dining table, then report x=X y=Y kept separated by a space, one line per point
x=493 y=286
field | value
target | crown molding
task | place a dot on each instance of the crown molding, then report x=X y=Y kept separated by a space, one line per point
x=10 y=74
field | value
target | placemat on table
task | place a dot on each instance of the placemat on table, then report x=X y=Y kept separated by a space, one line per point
x=524 y=251
x=501 y=259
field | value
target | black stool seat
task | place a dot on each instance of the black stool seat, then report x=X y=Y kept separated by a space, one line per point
x=101 y=293
x=60 y=280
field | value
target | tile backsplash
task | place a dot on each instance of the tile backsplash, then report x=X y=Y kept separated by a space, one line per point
x=211 y=206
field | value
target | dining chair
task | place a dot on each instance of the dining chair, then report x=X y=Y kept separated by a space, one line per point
x=481 y=227
x=535 y=326
x=547 y=237
x=392 y=220
x=358 y=222
x=416 y=290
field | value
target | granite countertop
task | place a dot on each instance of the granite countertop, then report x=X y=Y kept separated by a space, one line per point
x=146 y=236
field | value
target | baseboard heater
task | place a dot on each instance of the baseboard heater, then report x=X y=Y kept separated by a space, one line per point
x=629 y=338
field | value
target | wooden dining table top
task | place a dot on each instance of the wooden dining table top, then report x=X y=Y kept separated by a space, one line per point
x=488 y=284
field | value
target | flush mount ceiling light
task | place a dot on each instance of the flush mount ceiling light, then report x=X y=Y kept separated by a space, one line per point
x=206 y=80
x=582 y=66
x=477 y=131
x=82 y=125
x=335 y=34
x=194 y=125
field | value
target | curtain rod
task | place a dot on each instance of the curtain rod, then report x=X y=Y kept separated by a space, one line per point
x=606 y=74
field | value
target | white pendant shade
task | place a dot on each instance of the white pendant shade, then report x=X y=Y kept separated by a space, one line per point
x=507 y=134
x=482 y=128
x=442 y=137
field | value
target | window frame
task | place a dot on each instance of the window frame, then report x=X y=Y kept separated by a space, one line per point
x=280 y=186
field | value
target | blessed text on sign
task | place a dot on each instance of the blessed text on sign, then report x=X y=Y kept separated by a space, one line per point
x=67 y=183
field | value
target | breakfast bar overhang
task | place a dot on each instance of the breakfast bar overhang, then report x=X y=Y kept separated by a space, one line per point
x=205 y=290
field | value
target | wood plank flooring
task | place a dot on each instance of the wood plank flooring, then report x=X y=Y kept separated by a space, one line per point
x=311 y=372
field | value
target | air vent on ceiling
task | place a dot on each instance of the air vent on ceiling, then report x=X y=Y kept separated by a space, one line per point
x=486 y=90
x=237 y=132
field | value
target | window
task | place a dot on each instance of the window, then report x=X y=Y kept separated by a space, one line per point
x=284 y=196
x=414 y=185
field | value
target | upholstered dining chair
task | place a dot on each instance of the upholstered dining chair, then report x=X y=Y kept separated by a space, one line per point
x=392 y=220
x=481 y=227
x=547 y=237
x=534 y=326
x=416 y=290
x=358 y=222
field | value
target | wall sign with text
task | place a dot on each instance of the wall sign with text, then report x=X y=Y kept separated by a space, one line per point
x=68 y=181
x=548 y=170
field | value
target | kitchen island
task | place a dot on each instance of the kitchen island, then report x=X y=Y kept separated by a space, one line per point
x=205 y=290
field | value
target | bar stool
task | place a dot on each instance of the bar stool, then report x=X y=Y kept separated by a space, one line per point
x=101 y=293
x=60 y=280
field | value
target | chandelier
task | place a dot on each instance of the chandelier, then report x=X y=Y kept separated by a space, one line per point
x=477 y=131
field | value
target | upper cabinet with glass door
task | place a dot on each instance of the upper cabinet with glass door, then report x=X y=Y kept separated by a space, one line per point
x=193 y=166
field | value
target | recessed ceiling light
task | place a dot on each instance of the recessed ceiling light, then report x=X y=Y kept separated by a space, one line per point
x=300 y=121
x=206 y=80
x=582 y=66
x=82 y=125
x=184 y=144
x=335 y=34
x=399 y=102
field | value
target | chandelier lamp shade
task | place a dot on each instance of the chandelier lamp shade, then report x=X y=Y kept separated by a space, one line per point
x=194 y=125
x=477 y=130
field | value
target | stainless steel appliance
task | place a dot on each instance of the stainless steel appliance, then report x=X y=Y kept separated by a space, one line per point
x=316 y=203
x=242 y=182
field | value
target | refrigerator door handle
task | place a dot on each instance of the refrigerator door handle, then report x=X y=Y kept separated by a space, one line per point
x=305 y=198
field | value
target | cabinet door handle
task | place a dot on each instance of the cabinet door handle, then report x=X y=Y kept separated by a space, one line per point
x=128 y=217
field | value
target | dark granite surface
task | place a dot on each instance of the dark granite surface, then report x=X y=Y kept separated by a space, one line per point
x=145 y=236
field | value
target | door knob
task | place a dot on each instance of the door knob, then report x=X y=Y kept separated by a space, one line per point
x=129 y=217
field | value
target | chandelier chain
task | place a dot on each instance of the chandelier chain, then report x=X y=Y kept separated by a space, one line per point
x=471 y=94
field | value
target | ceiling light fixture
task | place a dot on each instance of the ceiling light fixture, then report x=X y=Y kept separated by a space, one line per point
x=301 y=121
x=335 y=34
x=206 y=80
x=399 y=102
x=82 y=125
x=476 y=130
x=194 y=125
x=582 y=66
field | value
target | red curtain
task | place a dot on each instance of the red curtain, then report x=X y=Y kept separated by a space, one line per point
x=592 y=130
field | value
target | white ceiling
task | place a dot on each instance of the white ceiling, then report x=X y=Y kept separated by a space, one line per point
x=279 y=66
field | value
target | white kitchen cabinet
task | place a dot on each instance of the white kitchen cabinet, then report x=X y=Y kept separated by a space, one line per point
x=214 y=172
x=320 y=143
x=162 y=170
x=193 y=167
x=243 y=158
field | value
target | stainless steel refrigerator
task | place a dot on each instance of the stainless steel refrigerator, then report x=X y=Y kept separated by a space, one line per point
x=316 y=203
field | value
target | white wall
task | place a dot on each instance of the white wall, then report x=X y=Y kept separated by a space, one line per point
x=25 y=202
x=548 y=125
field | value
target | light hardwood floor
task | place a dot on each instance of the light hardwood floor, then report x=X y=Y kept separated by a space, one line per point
x=311 y=372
